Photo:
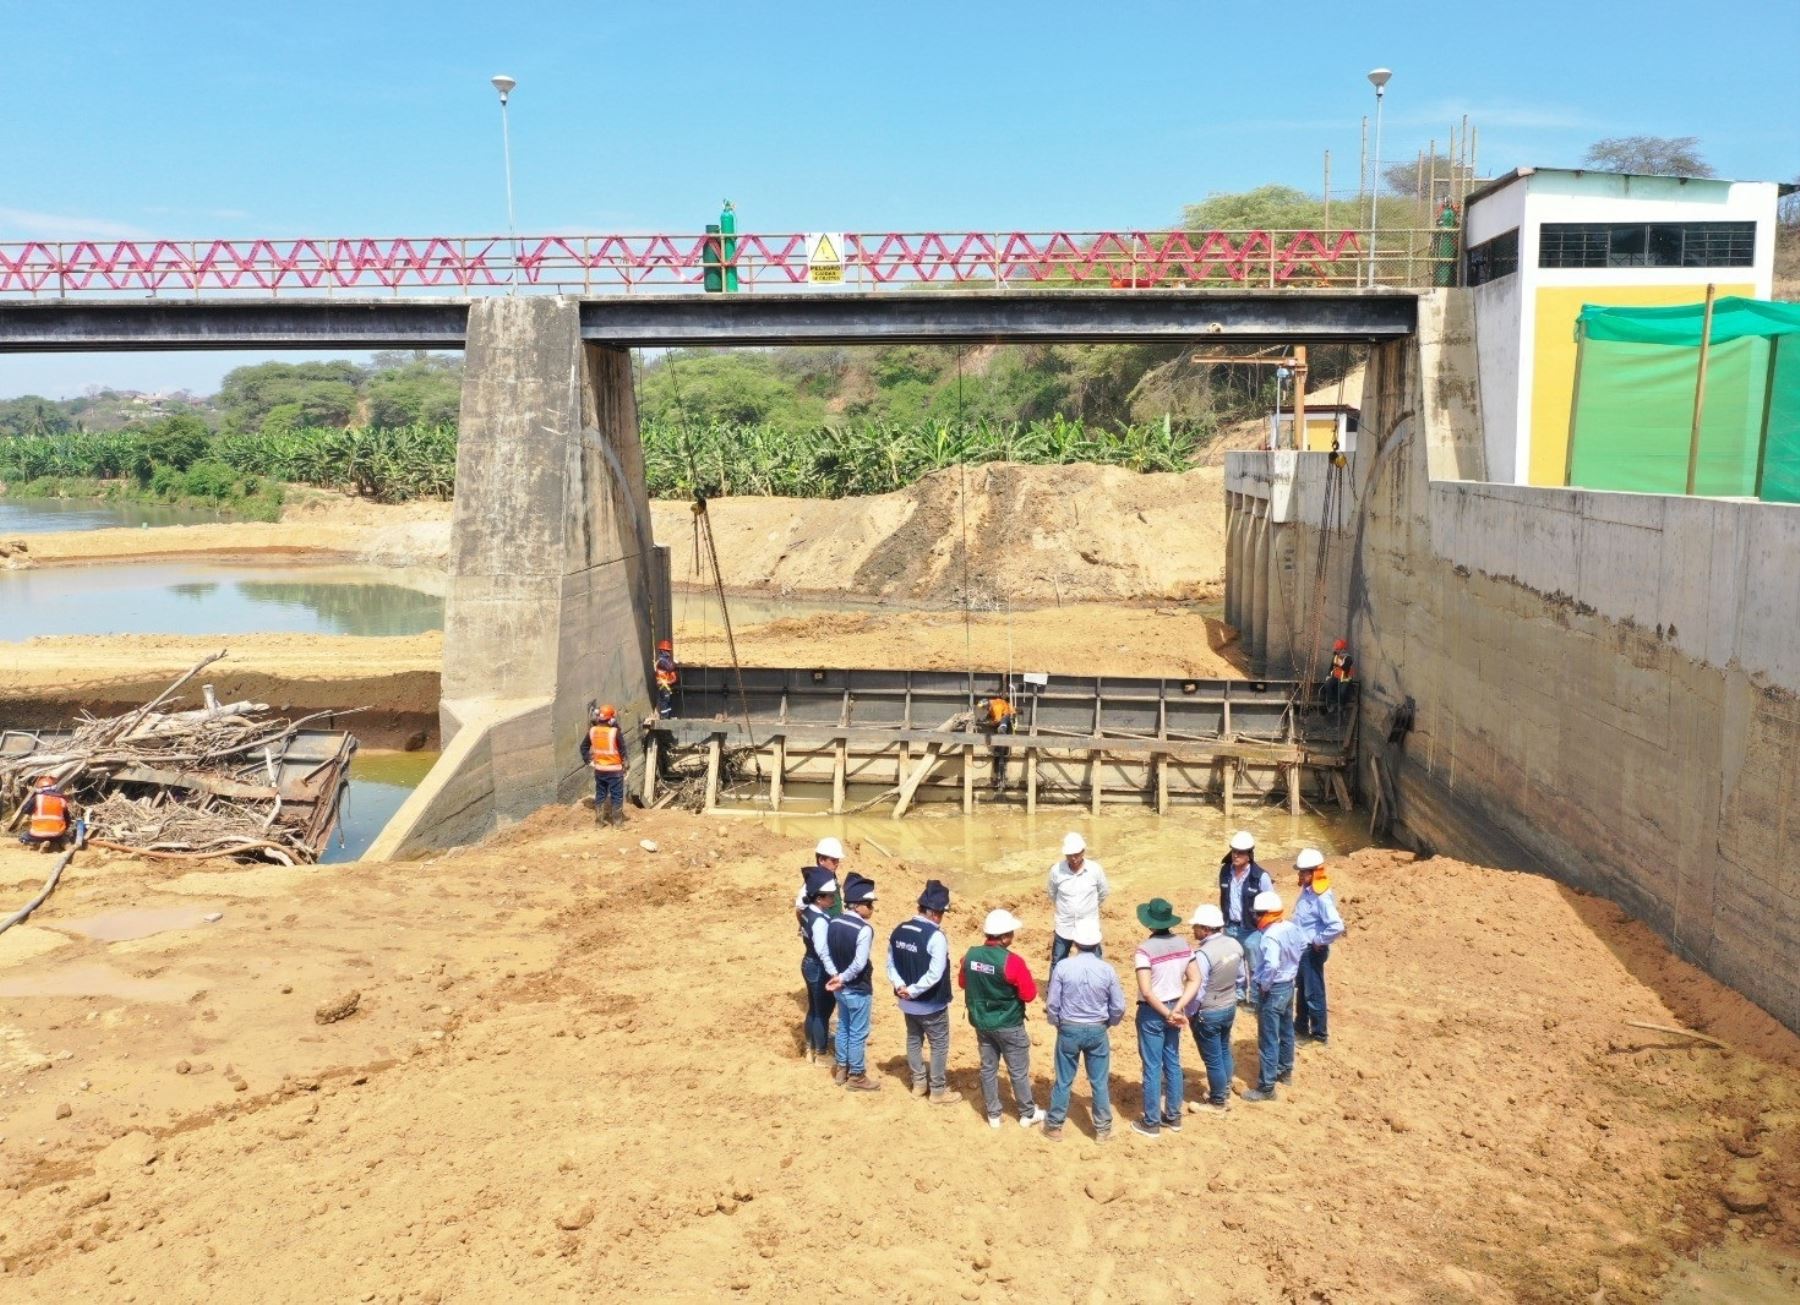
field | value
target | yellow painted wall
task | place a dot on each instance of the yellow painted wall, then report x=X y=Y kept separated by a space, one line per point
x=1553 y=364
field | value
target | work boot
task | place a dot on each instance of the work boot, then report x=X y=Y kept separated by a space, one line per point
x=840 y=1073
x=920 y=1087
x=861 y=1083
x=1259 y=1094
x=946 y=1097
x=1053 y=1132
x=603 y=813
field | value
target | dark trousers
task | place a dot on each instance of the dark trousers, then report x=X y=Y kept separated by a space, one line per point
x=1309 y=993
x=819 y=1004
x=609 y=786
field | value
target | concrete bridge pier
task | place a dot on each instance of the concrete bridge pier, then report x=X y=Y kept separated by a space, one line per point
x=552 y=566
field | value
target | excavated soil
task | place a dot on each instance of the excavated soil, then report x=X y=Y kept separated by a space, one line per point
x=571 y=1071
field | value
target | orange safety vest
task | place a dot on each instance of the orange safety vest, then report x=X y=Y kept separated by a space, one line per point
x=603 y=749
x=1341 y=666
x=998 y=709
x=666 y=675
x=49 y=815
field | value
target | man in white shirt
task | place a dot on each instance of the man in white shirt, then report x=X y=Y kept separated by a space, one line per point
x=1077 y=888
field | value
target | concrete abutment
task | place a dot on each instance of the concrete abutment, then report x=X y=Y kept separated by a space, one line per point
x=552 y=570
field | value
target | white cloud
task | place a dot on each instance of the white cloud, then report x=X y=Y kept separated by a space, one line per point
x=29 y=224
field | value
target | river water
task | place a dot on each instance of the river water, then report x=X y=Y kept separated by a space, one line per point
x=43 y=516
x=204 y=597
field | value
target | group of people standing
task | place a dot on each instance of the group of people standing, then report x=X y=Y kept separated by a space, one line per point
x=1245 y=950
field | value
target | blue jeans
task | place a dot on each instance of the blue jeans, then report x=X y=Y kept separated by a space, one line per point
x=609 y=787
x=1212 y=1034
x=1059 y=948
x=1238 y=933
x=1274 y=1033
x=1309 y=1009
x=1159 y=1046
x=819 y=1005
x=853 y=1027
x=1074 y=1043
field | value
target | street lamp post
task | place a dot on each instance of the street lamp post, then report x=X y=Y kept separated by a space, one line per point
x=504 y=85
x=1378 y=78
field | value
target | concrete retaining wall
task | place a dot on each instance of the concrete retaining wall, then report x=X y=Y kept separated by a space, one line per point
x=1607 y=686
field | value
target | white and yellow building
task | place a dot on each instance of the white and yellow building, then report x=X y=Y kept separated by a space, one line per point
x=1542 y=242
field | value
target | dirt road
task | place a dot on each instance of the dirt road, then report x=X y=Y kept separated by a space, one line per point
x=572 y=1073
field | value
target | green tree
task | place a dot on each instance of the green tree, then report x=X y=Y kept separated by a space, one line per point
x=31 y=414
x=325 y=391
x=1267 y=208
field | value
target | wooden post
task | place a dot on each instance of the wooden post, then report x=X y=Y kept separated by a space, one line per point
x=715 y=747
x=1712 y=292
x=1094 y=783
x=968 y=777
x=912 y=782
x=778 y=774
x=1162 y=784
x=1341 y=789
x=1031 y=759
x=1762 y=439
x=1230 y=785
x=840 y=757
x=650 y=754
x=1294 y=789
x=903 y=760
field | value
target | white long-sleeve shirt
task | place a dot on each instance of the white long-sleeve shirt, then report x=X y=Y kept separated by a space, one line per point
x=1076 y=895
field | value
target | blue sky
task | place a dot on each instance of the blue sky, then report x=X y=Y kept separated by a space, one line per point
x=376 y=118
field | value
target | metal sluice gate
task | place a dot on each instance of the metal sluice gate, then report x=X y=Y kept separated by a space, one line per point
x=1077 y=739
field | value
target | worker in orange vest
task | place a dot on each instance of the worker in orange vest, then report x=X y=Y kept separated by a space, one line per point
x=997 y=717
x=667 y=677
x=1340 y=683
x=48 y=829
x=603 y=748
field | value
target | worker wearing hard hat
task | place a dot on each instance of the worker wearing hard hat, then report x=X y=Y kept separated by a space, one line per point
x=1316 y=913
x=1220 y=961
x=668 y=675
x=1240 y=880
x=48 y=827
x=997 y=985
x=1277 y=962
x=1085 y=1002
x=918 y=970
x=848 y=942
x=603 y=748
x=817 y=897
x=1340 y=680
x=1077 y=888
x=828 y=856
x=997 y=719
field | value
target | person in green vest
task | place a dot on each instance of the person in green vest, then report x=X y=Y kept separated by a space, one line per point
x=997 y=985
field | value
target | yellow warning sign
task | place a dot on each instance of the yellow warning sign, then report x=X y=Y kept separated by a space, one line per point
x=825 y=257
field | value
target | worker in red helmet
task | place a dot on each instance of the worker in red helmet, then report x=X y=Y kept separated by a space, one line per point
x=603 y=748
x=51 y=817
x=1340 y=683
x=667 y=677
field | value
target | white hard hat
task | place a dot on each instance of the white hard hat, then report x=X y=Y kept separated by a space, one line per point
x=999 y=922
x=1310 y=858
x=829 y=847
x=1242 y=841
x=1073 y=843
x=1087 y=934
x=1208 y=915
x=1266 y=902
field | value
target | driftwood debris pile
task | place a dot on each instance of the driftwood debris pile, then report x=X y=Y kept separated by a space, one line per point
x=218 y=780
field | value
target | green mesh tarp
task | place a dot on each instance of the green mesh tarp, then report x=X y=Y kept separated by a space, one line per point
x=1632 y=418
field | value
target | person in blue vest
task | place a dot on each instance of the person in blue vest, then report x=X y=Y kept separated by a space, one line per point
x=1316 y=913
x=848 y=942
x=1240 y=880
x=918 y=969
x=1277 y=962
x=819 y=893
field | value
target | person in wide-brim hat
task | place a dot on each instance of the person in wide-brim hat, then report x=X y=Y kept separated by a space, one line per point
x=1167 y=980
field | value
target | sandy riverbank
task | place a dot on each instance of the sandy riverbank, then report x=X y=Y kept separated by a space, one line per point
x=530 y=1102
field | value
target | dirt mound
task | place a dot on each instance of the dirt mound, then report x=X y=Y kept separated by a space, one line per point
x=1035 y=535
x=533 y=1099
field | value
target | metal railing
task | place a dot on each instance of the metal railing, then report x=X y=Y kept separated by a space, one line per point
x=609 y=264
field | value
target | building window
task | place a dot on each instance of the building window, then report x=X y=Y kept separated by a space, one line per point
x=1638 y=244
x=1493 y=259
